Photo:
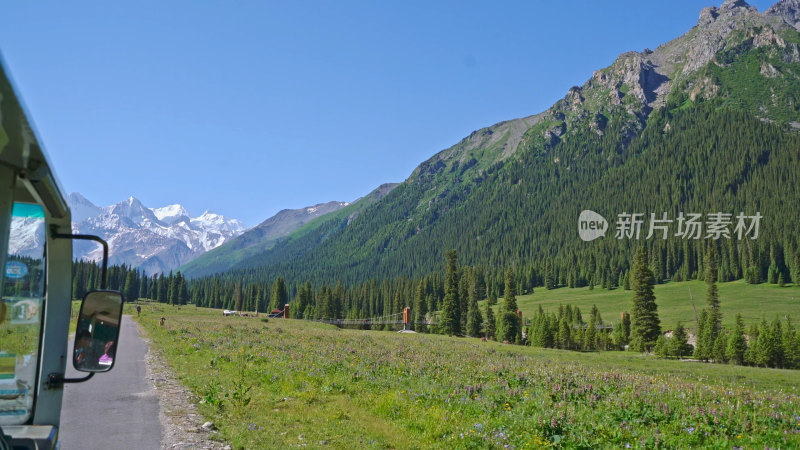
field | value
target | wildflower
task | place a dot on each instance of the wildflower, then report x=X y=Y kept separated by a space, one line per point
x=690 y=430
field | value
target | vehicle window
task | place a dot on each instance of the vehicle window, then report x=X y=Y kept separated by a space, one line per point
x=21 y=313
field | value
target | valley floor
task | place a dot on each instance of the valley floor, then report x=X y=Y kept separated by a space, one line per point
x=292 y=383
x=676 y=301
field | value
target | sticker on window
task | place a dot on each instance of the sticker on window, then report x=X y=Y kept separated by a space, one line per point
x=16 y=270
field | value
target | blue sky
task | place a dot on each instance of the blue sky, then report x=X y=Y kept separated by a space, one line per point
x=249 y=107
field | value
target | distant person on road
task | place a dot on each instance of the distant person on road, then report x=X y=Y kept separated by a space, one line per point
x=138 y=310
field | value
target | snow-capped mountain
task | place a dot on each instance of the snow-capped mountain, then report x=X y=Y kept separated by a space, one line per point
x=27 y=237
x=152 y=239
x=171 y=214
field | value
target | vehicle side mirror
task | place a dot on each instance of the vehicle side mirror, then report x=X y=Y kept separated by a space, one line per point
x=97 y=333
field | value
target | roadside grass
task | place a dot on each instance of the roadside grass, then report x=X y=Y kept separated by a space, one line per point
x=292 y=383
x=674 y=301
x=73 y=316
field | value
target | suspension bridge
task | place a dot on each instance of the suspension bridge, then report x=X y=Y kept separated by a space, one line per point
x=402 y=318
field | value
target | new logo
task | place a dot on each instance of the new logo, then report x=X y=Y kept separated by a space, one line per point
x=591 y=225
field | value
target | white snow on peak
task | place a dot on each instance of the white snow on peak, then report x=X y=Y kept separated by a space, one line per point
x=133 y=210
x=175 y=210
x=82 y=208
x=28 y=235
x=153 y=239
x=219 y=223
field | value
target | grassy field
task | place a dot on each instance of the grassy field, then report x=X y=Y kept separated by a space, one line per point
x=290 y=383
x=674 y=301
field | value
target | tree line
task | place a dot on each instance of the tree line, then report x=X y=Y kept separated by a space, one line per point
x=451 y=306
x=134 y=284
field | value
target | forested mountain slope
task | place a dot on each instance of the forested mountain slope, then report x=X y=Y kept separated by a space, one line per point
x=704 y=123
x=287 y=226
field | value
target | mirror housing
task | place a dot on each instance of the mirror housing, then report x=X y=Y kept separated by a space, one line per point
x=97 y=333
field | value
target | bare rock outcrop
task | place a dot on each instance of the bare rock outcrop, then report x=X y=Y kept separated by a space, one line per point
x=788 y=11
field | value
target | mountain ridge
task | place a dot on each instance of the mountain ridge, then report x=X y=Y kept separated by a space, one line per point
x=287 y=224
x=151 y=239
x=704 y=68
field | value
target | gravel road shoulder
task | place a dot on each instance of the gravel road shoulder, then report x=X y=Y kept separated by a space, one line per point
x=182 y=424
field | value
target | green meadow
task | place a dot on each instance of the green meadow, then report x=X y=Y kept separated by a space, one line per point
x=292 y=383
x=674 y=301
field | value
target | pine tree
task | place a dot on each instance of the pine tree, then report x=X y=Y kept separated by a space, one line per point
x=143 y=286
x=171 y=288
x=774 y=267
x=718 y=350
x=479 y=282
x=304 y=297
x=702 y=350
x=491 y=324
x=450 y=323
x=645 y=324
x=564 y=336
x=764 y=351
x=679 y=342
x=778 y=355
x=464 y=283
x=183 y=289
x=796 y=275
x=626 y=326
x=510 y=292
x=217 y=294
x=325 y=305
x=712 y=295
x=474 y=317
x=510 y=324
x=712 y=343
x=660 y=348
x=280 y=296
x=237 y=297
x=549 y=278
x=737 y=344
x=420 y=309
x=590 y=336
x=618 y=336
x=546 y=334
x=791 y=351
x=750 y=354
x=78 y=286
x=131 y=290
